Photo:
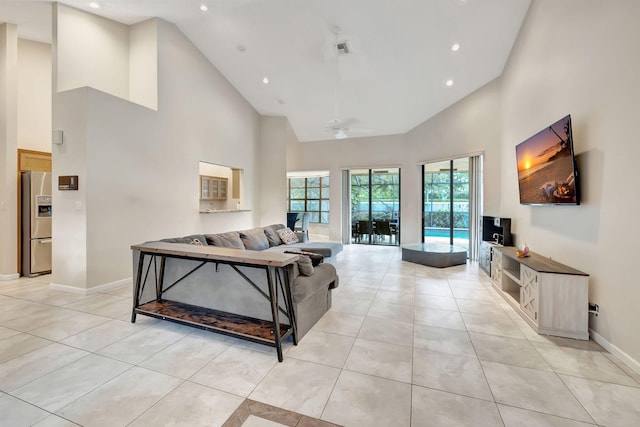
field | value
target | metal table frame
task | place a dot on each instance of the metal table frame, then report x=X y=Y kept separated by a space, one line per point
x=277 y=281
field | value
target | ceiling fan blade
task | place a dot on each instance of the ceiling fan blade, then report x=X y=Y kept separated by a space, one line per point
x=340 y=134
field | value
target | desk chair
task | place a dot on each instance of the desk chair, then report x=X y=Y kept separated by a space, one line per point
x=304 y=224
x=292 y=218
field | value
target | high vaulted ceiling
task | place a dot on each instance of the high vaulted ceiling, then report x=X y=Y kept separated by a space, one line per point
x=394 y=78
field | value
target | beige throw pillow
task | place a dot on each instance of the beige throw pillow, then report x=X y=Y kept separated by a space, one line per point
x=287 y=236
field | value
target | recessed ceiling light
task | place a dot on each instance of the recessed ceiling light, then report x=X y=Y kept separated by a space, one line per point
x=449 y=82
x=455 y=47
x=203 y=7
x=265 y=80
x=241 y=48
x=94 y=5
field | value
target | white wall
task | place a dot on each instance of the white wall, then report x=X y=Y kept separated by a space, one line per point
x=581 y=57
x=91 y=51
x=468 y=127
x=115 y=58
x=141 y=180
x=69 y=222
x=274 y=134
x=34 y=95
x=143 y=64
x=8 y=150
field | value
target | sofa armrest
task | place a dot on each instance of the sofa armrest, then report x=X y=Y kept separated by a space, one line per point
x=324 y=277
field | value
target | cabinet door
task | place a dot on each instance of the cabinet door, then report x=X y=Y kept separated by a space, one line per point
x=215 y=187
x=205 y=188
x=529 y=292
x=222 y=188
x=484 y=260
x=496 y=268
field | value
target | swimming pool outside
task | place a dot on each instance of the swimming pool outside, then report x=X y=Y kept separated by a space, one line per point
x=458 y=233
x=441 y=235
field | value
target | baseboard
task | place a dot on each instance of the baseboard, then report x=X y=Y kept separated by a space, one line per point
x=13 y=276
x=109 y=286
x=96 y=289
x=67 y=288
x=633 y=364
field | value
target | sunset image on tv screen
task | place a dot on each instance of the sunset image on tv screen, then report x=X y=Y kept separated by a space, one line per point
x=545 y=166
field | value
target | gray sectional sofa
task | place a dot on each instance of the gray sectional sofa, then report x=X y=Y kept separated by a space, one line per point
x=220 y=287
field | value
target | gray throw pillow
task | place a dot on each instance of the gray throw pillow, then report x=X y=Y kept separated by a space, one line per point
x=305 y=266
x=225 y=240
x=254 y=240
x=272 y=236
x=316 y=259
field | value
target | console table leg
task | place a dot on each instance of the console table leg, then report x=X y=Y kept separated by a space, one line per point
x=136 y=288
x=289 y=301
x=273 y=296
x=160 y=279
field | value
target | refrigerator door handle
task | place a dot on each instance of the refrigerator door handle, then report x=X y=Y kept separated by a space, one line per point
x=43 y=240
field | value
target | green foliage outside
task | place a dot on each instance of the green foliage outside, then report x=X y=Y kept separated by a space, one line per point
x=310 y=194
x=437 y=196
x=385 y=196
x=440 y=219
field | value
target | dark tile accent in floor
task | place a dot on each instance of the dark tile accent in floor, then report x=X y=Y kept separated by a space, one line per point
x=271 y=413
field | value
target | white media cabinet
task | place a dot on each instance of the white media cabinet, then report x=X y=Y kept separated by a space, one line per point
x=551 y=297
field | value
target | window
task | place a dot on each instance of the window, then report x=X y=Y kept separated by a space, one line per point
x=310 y=194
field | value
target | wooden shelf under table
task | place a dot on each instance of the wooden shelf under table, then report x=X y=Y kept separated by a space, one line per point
x=213 y=320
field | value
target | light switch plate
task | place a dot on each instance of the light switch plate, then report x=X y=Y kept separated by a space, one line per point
x=57 y=137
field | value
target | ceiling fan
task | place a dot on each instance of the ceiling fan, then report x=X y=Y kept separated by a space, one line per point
x=337 y=126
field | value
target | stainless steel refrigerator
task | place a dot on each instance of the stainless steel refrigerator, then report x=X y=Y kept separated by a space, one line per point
x=36 y=223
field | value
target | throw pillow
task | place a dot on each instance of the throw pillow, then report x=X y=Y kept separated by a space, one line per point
x=187 y=239
x=272 y=236
x=316 y=259
x=225 y=240
x=254 y=240
x=287 y=236
x=305 y=266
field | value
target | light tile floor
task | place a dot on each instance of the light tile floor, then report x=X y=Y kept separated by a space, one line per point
x=404 y=345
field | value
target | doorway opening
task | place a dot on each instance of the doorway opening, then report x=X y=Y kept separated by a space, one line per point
x=451 y=200
x=375 y=206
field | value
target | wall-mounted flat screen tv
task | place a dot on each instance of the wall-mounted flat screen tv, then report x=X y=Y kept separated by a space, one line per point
x=547 y=173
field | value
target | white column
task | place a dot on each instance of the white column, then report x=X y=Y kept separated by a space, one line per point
x=8 y=151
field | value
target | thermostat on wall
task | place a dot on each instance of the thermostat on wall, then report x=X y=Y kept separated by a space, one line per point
x=68 y=182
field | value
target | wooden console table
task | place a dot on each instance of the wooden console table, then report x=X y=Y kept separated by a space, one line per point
x=551 y=297
x=268 y=332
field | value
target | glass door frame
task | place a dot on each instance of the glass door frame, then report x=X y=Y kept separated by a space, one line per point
x=370 y=237
x=451 y=200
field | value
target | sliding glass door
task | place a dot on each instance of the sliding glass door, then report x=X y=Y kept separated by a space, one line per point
x=446 y=202
x=375 y=206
